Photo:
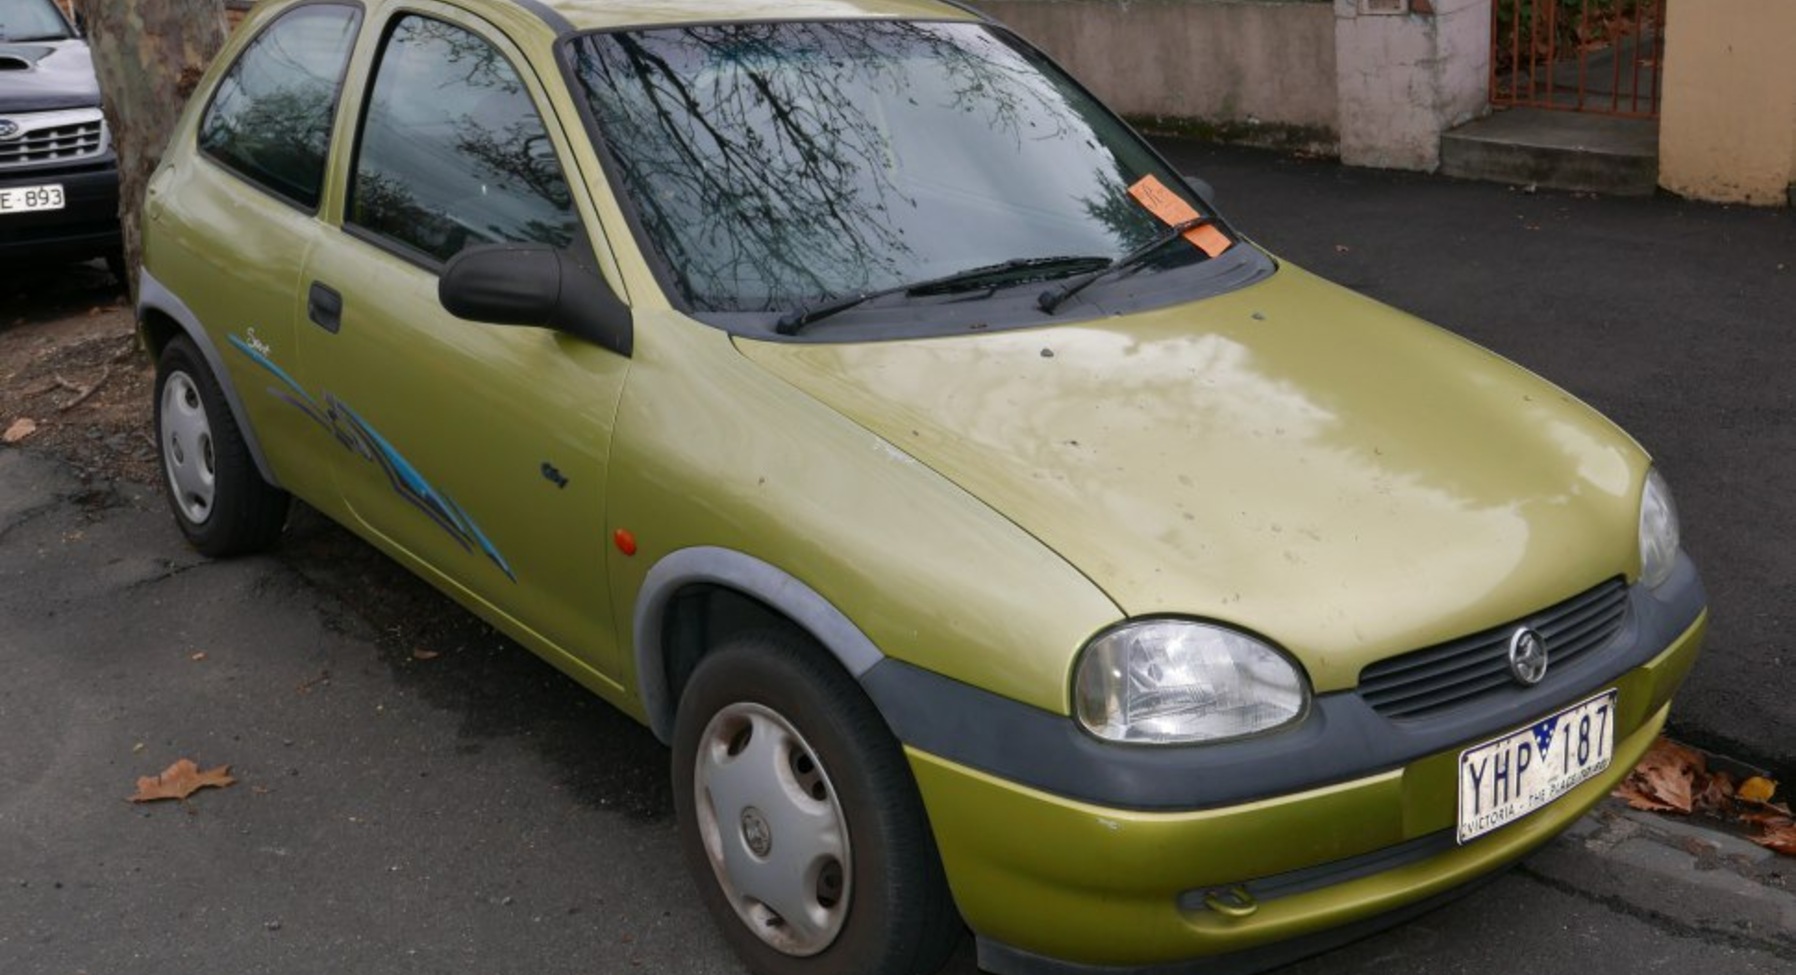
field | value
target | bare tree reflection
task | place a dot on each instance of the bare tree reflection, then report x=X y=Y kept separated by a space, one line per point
x=281 y=136
x=271 y=118
x=762 y=156
x=453 y=152
x=472 y=62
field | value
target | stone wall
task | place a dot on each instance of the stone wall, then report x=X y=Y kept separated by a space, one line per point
x=1727 y=131
x=1405 y=78
x=1246 y=70
x=1376 y=81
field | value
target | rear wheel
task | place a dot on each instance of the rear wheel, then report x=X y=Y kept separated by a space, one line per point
x=800 y=820
x=218 y=497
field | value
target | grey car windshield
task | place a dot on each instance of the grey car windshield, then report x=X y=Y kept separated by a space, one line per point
x=778 y=164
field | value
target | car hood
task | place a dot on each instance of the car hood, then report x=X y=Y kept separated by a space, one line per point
x=47 y=77
x=1291 y=458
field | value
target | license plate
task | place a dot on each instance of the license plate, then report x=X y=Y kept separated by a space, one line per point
x=24 y=199
x=1507 y=778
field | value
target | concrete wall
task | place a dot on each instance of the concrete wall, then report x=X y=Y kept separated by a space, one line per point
x=1727 y=130
x=1404 y=79
x=1229 y=66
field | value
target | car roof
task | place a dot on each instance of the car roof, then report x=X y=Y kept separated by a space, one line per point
x=604 y=14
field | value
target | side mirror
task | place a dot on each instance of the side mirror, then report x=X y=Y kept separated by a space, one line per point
x=537 y=285
x=1202 y=187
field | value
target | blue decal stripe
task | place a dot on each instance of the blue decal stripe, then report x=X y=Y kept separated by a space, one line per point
x=405 y=479
x=409 y=474
x=479 y=536
x=297 y=397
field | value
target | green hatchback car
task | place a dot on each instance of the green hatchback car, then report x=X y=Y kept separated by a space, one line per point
x=999 y=539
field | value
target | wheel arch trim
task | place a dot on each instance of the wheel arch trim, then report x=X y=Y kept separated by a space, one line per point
x=154 y=296
x=750 y=576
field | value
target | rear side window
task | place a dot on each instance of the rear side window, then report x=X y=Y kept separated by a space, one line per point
x=270 y=120
x=453 y=152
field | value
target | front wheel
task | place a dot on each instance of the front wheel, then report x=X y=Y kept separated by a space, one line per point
x=219 y=498
x=800 y=820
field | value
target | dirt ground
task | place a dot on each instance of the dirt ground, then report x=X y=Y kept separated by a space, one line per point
x=73 y=381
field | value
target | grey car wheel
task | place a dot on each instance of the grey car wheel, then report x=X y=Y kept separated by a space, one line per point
x=215 y=490
x=773 y=829
x=799 y=817
x=187 y=454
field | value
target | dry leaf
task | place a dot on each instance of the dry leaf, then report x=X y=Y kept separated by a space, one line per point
x=181 y=780
x=1669 y=778
x=423 y=654
x=20 y=429
x=197 y=656
x=1779 y=838
x=1639 y=799
x=1758 y=789
x=1717 y=793
x=1762 y=810
x=1766 y=818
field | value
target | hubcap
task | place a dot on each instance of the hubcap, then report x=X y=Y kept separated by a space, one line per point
x=784 y=860
x=187 y=456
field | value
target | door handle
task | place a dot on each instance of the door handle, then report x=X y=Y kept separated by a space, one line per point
x=325 y=307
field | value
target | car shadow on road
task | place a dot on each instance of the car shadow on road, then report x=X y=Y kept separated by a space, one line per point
x=456 y=662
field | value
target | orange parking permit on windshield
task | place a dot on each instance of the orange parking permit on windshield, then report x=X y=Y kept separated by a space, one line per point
x=1172 y=208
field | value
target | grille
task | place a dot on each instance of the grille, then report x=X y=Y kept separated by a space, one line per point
x=69 y=142
x=1452 y=673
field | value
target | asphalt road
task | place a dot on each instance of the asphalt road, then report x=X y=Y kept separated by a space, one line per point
x=467 y=809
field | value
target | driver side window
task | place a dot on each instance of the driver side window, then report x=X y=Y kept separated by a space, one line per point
x=452 y=151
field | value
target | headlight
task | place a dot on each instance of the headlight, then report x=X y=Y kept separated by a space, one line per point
x=1658 y=531
x=1177 y=682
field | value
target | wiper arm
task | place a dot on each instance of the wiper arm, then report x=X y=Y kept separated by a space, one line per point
x=1053 y=298
x=797 y=319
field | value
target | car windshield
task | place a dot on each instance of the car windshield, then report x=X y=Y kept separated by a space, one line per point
x=775 y=165
x=31 y=20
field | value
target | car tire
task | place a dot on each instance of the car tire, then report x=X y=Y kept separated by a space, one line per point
x=217 y=494
x=800 y=820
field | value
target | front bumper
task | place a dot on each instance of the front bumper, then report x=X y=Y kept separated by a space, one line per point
x=87 y=226
x=1056 y=884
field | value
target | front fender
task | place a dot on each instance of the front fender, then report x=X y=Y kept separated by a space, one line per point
x=749 y=576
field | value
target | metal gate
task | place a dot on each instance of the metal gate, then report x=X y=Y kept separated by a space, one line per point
x=1602 y=56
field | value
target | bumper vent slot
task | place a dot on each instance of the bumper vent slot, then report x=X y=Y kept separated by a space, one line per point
x=1462 y=670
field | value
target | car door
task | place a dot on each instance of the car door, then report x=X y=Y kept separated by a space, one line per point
x=475 y=452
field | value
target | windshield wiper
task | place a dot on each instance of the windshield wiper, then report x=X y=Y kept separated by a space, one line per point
x=993 y=274
x=1055 y=297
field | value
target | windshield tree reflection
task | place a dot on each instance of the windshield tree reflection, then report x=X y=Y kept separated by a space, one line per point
x=776 y=164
